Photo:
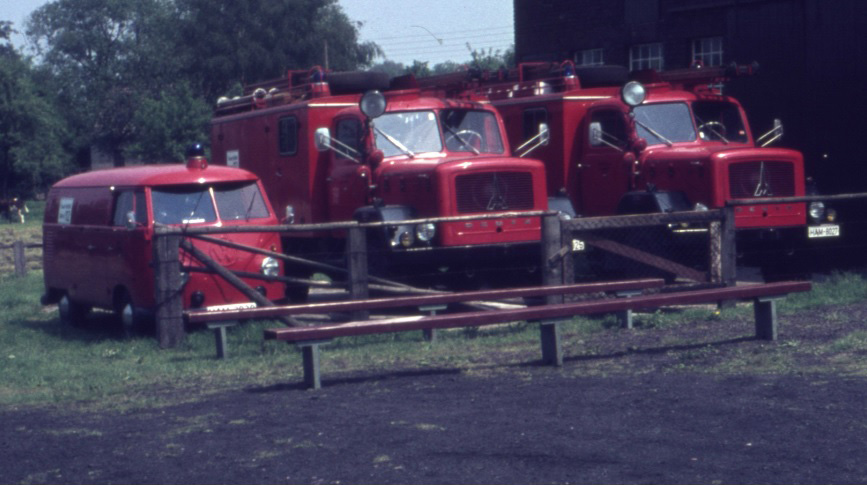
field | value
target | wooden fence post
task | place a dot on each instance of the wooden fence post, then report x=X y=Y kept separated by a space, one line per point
x=552 y=275
x=20 y=262
x=729 y=248
x=356 y=259
x=167 y=275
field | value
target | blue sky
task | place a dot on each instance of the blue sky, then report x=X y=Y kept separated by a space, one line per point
x=427 y=30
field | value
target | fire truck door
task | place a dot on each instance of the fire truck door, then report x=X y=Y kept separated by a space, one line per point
x=347 y=175
x=604 y=175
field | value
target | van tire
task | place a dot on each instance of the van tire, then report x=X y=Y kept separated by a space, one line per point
x=72 y=313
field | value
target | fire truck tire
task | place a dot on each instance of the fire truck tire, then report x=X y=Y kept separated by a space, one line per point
x=595 y=76
x=357 y=81
x=72 y=313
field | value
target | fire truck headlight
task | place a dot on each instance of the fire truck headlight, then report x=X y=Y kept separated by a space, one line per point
x=372 y=104
x=406 y=239
x=633 y=93
x=425 y=232
x=270 y=266
x=817 y=210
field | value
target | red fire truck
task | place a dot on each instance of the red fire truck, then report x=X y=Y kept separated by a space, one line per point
x=98 y=237
x=670 y=142
x=334 y=146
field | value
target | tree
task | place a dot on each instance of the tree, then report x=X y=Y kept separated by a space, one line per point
x=226 y=41
x=31 y=131
x=108 y=56
x=492 y=59
x=391 y=68
x=169 y=123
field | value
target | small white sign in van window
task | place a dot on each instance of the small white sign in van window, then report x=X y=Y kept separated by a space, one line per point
x=64 y=213
x=233 y=158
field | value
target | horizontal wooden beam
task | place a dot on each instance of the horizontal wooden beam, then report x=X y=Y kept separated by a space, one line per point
x=401 y=324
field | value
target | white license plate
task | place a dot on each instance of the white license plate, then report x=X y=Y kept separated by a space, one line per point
x=231 y=306
x=825 y=230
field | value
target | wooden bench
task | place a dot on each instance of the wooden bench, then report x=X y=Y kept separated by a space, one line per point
x=549 y=316
x=219 y=321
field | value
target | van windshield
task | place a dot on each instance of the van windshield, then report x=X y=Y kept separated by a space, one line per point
x=240 y=202
x=183 y=205
x=195 y=204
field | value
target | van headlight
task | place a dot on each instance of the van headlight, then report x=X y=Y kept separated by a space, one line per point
x=817 y=210
x=425 y=232
x=270 y=266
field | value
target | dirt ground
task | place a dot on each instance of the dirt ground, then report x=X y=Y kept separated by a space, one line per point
x=622 y=409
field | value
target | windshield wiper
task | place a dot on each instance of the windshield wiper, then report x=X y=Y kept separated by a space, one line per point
x=460 y=139
x=654 y=132
x=394 y=141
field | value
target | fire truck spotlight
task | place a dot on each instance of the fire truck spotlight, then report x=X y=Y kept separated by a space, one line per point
x=425 y=232
x=270 y=266
x=372 y=104
x=633 y=93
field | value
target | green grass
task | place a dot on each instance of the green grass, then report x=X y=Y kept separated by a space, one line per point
x=43 y=362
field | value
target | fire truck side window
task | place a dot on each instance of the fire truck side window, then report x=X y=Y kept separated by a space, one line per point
x=533 y=117
x=349 y=133
x=288 y=135
x=128 y=201
x=613 y=127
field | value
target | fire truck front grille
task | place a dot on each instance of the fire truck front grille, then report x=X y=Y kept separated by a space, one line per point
x=497 y=191
x=749 y=180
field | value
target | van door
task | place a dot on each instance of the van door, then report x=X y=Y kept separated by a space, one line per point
x=129 y=248
x=605 y=176
x=347 y=176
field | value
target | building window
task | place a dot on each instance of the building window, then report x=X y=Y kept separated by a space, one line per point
x=589 y=57
x=646 y=56
x=288 y=136
x=708 y=50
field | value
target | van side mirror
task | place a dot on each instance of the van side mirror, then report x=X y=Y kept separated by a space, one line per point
x=322 y=138
x=595 y=134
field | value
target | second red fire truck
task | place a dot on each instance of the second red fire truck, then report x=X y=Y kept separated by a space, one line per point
x=359 y=146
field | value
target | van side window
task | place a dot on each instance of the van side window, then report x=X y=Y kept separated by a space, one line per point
x=128 y=201
x=613 y=127
x=288 y=135
x=533 y=117
x=349 y=133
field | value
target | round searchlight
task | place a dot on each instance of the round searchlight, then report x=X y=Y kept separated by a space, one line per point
x=372 y=104
x=633 y=93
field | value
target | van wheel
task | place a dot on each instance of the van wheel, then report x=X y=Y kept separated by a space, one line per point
x=72 y=313
x=128 y=318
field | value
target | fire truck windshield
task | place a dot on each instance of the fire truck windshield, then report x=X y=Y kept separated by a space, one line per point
x=718 y=120
x=407 y=133
x=471 y=131
x=671 y=122
x=664 y=123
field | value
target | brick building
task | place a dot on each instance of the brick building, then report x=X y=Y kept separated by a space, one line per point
x=812 y=55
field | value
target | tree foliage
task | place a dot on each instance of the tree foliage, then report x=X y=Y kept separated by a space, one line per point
x=225 y=41
x=31 y=131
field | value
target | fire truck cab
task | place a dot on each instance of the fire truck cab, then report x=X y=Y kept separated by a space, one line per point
x=336 y=147
x=664 y=141
x=98 y=235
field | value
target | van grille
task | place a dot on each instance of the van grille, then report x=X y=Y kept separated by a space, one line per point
x=494 y=191
x=749 y=180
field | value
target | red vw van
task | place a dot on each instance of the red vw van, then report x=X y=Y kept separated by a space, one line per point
x=98 y=233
